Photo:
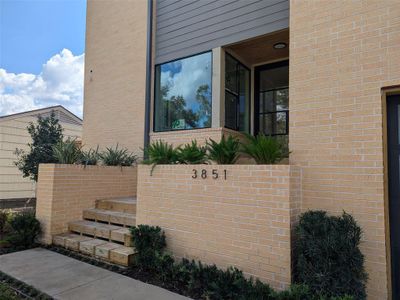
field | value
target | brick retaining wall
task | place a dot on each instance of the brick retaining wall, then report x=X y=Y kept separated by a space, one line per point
x=63 y=191
x=244 y=220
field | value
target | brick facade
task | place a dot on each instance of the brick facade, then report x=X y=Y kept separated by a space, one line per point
x=186 y=136
x=243 y=221
x=342 y=53
x=115 y=74
x=63 y=191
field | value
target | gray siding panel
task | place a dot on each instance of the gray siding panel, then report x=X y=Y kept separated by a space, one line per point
x=187 y=27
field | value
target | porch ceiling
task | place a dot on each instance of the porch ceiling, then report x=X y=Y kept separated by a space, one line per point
x=261 y=49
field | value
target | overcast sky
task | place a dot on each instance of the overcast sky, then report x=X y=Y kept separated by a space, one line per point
x=42 y=44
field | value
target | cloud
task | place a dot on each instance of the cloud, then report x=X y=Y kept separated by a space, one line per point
x=185 y=77
x=59 y=83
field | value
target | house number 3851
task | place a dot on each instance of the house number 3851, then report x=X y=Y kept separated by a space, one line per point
x=204 y=174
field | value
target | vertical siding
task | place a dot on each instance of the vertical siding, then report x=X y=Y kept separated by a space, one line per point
x=186 y=27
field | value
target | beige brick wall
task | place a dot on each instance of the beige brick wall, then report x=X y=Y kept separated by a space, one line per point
x=341 y=54
x=115 y=73
x=186 y=136
x=243 y=221
x=63 y=191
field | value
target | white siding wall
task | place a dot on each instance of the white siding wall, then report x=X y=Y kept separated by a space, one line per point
x=13 y=134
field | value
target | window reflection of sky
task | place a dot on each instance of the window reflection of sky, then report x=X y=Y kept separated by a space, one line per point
x=183 y=77
x=172 y=67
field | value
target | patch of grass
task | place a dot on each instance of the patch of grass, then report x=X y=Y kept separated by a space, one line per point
x=7 y=293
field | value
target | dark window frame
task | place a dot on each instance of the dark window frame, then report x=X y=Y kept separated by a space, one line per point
x=237 y=95
x=392 y=152
x=155 y=92
x=257 y=93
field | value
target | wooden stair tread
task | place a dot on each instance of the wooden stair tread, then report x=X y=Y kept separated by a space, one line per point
x=110 y=213
x=125 y=205
x=106 y=231
x=128 y=200
x=94 y=224
x=112 y=252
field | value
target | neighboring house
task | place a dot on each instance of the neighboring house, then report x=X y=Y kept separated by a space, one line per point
x=322 y=75
x=14 y=134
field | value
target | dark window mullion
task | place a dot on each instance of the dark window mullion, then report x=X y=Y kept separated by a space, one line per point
x=231 y=92
x=273 y=112
x=238 y=97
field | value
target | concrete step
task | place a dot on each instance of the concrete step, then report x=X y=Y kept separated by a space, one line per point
x=101 y=230
x=109 y=216
x=125 y=205
x=112 y=252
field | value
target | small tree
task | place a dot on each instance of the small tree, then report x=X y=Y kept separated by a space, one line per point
x=45 y=134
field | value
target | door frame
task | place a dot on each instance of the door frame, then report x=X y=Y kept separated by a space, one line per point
x=256 y=110
x=385 y=93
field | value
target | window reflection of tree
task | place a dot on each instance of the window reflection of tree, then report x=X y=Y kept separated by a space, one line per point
x=176 y=109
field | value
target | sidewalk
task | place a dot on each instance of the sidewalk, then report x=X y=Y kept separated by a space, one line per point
x=63 y=277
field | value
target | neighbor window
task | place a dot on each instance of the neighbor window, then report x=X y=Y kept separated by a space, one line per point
x=183 y=94
x=237 y=95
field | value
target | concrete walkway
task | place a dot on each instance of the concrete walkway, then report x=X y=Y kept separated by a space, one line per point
x=63 y=277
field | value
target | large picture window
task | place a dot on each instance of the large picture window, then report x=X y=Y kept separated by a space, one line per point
x=183 y=93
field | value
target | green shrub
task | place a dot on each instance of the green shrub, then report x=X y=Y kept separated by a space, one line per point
x=25 y=229
x=200 y=281
x=117 y=157
x=296 y=292
x=149 y=242
x=6 y=293
x=192 y=154
x=67 y=152
x=45 y=133
x=161 y=153
x=3 y=221
x=263 y=149
x=90 y=157
x=226 y=152
x=327 y=255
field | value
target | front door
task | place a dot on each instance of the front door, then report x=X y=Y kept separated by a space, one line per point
x=393 y=129
x=271 y=107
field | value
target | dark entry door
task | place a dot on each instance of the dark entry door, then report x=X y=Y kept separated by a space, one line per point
x=271 y=97
x=271 y=101
x=393 y=128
